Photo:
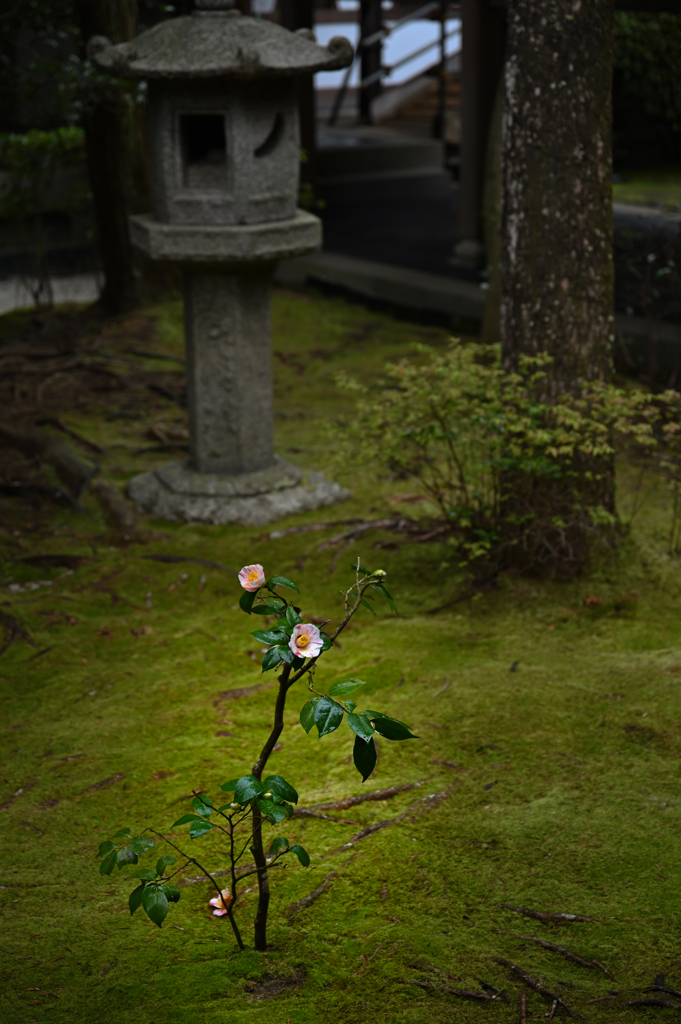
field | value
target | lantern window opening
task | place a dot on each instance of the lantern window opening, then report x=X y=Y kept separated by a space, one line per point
x=204 y=150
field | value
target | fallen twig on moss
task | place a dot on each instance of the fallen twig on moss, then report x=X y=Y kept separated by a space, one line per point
x=377 y=794
x=591 y=964
x=537 y=986
x=540 y=915
x=308 y=527
x=461 y=993
x=306 y=812
x=653 y=1001
x=308 y=900
x=13 y=630
x=523 y=1008
x=420 y=807
x=663 y=988
x=196 y=561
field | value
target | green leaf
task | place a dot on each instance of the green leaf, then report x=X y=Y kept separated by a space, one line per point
x=302 y=855
x=292 y=616
x=146 y=874
x=282 y=581
x=281 y=787
x=156 y=905
x=171 y=893
x=287 y=655
x=349 y=705
x=246 y=601
x=163 y=862
x=271 y=658
x=268 y=608
x=199 y=828
x=364 y=757
x=270 y=636
x=346 y=685
x=106 y=847
x=327 y=642
x=202 y=806
x=135 y=898
x=328 y=716
x=361 y=726
x=184 y=819
x=307 y=713
x=123 y=833
x=275 y=812
x=109 y=863
x=280 y=843
x=385 y=595
x=247 y=788
x=365 y=572
x=126 y=856
x=229 y=787
x=391 y=728
x=225 y=807
x=367 y=605
x=140 y=845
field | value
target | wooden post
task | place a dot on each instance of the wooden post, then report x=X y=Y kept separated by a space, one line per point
x=482 y=62
x=370 y=22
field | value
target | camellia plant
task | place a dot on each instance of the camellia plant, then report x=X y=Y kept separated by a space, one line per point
x=294 y=648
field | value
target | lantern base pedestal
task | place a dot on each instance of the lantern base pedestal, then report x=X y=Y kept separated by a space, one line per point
x=180 y=494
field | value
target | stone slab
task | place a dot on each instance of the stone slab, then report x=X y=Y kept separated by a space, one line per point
x=176 y=493
x=227 y=244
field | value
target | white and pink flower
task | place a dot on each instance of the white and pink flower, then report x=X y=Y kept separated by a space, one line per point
x=306 y=640
x=221 y=903
x=252 y=577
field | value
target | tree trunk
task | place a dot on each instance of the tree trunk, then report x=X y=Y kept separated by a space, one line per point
x=115 y=152
x=557 y=267
x=557 y=253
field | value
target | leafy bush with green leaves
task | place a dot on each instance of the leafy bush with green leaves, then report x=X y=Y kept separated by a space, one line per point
x=516 y=478
x=294 y=647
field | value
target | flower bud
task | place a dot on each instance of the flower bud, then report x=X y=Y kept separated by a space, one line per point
x=267 y=796
x=379 y=572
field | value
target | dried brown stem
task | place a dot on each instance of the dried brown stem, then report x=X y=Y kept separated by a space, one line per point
x=308 y=900
x=537 y=986
x=420 y=807
x=377 y=794
x=591 y=964
x=541 y=916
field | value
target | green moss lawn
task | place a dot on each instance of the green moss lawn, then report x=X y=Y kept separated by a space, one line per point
x=548 y=714
x=660 y=186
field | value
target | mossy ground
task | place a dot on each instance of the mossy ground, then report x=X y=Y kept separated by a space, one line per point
x=564 y=720
x=659 y=186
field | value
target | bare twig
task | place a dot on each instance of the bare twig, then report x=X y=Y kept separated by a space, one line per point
x=377 y=794
x=305 y=812
x=652 y=1001
x=196 y=561
x=523 y=1008
x=540 y=915
x=591 y=964
x=308 y=900
x=537 y=986
x=420 y=807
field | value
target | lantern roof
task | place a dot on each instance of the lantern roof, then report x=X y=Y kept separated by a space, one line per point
x=216 y=42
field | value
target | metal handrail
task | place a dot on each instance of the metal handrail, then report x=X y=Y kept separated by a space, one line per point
x=384 y=32
x=388 y=69
x=378 y=36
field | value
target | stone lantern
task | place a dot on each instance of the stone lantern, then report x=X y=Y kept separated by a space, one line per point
x=224 y=153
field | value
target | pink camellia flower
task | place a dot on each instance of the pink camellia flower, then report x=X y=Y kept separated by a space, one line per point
x=252 y=577
x=306 y=640
x=221 y=902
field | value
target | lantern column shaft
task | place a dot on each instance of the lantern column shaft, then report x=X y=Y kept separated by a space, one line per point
x=229 y=378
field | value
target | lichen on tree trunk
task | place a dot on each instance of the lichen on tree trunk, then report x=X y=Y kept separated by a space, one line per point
x=557 y=265
x=557 y=219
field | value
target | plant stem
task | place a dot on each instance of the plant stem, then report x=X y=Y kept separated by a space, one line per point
x=257 y=847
